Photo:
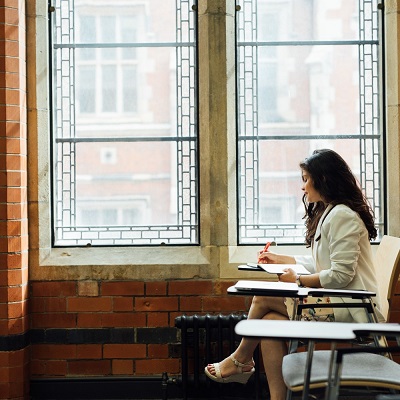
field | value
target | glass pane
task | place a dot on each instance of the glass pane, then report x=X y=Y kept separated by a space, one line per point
x=300 y=86
x=87 y=34
x=107 y=33
x=129 y=179
x=109 y=85
x=86 y=83
x=295 y=20
x=129 y=97
x=125 y=171
x=308 y=77
x=154 y=19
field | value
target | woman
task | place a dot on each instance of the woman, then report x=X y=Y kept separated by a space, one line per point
x=339 y=226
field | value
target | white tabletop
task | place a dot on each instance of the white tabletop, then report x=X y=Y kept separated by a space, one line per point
x=330 y=331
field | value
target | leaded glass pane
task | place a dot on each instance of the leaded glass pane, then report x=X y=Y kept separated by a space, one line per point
x=124 y=122
x=308 y=77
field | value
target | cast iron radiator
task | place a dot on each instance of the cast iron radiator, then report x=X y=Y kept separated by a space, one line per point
x=207 y=339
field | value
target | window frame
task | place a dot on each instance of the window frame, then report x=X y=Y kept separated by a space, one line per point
x=73 y=133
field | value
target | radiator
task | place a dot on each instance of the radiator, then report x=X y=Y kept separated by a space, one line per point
x=207 y=339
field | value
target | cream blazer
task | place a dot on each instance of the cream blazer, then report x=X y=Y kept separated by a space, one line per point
x=341 y=253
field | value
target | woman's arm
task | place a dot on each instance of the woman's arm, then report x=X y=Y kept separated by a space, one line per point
x=305 y=280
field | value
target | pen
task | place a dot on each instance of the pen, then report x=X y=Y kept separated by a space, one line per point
x=266 y=247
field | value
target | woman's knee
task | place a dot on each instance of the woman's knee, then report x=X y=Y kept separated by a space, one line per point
x=274 y=315
x=261 y=302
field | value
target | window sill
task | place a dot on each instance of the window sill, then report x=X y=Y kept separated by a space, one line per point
x=146 y=263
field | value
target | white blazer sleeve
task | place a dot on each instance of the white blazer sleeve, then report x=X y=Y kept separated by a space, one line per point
x=341 y=234
x=307 y=261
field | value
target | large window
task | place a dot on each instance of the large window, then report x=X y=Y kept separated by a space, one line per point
x=308 y=76
x=124 y=101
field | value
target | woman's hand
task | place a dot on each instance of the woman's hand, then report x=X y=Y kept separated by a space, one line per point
x=269 y=257
x=289 y=275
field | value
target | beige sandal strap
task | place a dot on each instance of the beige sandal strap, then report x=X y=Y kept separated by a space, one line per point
x=217 y=370
x=240 y=365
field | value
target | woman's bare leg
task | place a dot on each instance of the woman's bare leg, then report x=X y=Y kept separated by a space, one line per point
x=260 y=307
x=273 y=352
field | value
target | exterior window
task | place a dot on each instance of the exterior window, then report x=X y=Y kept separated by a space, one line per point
x=124 y=101
x=308 y=77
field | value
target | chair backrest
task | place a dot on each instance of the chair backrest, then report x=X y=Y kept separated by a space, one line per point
x=387 y=267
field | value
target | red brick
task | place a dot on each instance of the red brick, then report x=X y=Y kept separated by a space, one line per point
x=89 y=304
x=124 y=351
x=172 y=317
x=13 y=128
x=3 y=328
x=14 y=261
x=13 y=310
x=37 y=305
x=122 y=288
x=157 y=351
x=89 y=351
x=54 y=289
x=48 y=367
x=124 y=320
x=156 y=288
x=13 y=391
x=53 y=320
x=16 y=146
x=97 y=367
x=151 y=367
x=13 y=277
x=122 y=367
x=156 y=304
x=220 y=287
x=88 y=320
x=12 y=294
x=17 y=276
x=190 y=287
x=55 y=304
x=15 y=179
x=9 y=96
x=53 y=351
x=11 y=16
x=18 y=325
x=191 y=303
x=16 y=211
x=157 y=319
x=123 y=304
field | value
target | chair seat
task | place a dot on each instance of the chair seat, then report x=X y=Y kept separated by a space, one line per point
x=358 y=369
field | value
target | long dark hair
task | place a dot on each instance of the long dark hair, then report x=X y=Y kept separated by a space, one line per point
x=335 y=182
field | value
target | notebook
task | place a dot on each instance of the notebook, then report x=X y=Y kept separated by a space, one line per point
x=292 y=288
x=267 y=286
x=278 y=268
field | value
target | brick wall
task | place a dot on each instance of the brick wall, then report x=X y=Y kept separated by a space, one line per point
x=14 y=357
x=109 y=328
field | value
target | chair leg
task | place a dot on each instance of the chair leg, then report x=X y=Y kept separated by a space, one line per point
x=289 y=394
